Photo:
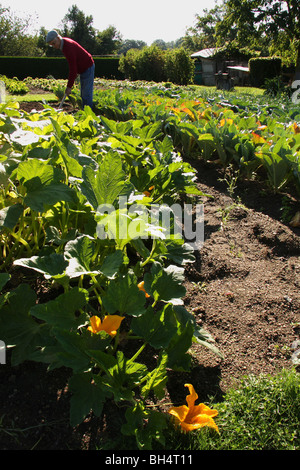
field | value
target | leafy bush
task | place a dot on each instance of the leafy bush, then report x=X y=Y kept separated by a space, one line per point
x=128 y=64
x=179 y=66
x=147 y=64
x=276 y=87
x=154 y=64
x=262 y=68
x=14 y=86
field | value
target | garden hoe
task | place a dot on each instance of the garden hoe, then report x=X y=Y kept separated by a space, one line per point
x=62 y=101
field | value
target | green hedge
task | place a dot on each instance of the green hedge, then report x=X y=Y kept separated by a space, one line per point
x=42 y=67
x=262 y=68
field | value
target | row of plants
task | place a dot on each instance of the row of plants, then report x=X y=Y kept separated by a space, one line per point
x=260 y=137
x=14 y=86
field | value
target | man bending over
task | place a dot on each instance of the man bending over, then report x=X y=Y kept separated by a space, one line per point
x=80 y=63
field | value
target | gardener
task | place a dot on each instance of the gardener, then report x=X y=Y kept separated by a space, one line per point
x=80 y=62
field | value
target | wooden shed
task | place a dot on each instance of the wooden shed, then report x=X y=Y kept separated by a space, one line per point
x=211 y=69
x=205 y=67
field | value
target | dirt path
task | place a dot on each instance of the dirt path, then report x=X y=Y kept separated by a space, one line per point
x=244 y=287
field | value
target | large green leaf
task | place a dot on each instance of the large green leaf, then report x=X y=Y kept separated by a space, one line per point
x=201 y=336
x=112 y=264
x=18 y=328
x=88 y=394
x=50 y=266
x=9 y=216
x=43 y=184
x=123 y=296
x=104 y=185
x=38 y=173
x=72 y=353
x=158 y=328
x=123 y=227
x=79 y=254
x=178 y=357
x=48 y=195
x=175 y=250
x=63 y=311
x=122 y=374
x=166 y=284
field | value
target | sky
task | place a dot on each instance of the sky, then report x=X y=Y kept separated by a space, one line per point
x=134 y=19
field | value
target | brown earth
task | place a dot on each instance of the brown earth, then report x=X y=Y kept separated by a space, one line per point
x=30 y=106
x=243 y=289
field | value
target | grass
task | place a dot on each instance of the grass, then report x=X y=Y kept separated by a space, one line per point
x=33 y=97
x=262 y=413
x=243 y=90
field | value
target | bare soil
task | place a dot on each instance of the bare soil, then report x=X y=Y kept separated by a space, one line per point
x=30 y=106
x=243 y=289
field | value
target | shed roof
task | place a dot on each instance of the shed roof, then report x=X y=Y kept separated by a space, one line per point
x=240 y=68
x=205 y=53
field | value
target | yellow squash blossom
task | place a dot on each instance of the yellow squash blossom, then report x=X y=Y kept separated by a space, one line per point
x=141 y=287
x=296 y=128
x=226 y=121
x=109 y=324
x=148 y=193
x=193 y=416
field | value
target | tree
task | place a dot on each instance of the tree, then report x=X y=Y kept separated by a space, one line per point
x=108 y=41
x=263 y=20
x=131 y=44
x=78 y=27
x=160 y=43
x=203 y=34
x=13 y=38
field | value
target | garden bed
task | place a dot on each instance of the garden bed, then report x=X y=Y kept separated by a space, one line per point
x=243 y=288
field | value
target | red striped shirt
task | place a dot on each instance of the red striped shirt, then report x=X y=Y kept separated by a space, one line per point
x=78 y=58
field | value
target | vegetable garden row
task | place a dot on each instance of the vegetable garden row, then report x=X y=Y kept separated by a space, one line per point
x=118 y=279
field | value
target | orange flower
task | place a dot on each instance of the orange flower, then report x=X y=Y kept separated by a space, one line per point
x=141 y=287
x=193 y=416
x=110 y=324
x=257 y=139
x=296 y=128
x=148 y=193
x=226 y=121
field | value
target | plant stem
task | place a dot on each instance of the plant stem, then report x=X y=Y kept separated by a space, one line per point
x=137 y=353
x=151 y=253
